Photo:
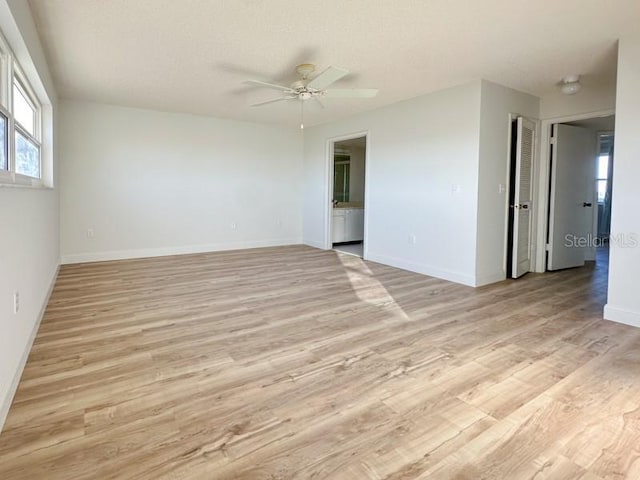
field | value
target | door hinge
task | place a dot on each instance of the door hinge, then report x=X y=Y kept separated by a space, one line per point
x=547 y=247
x=553 y=141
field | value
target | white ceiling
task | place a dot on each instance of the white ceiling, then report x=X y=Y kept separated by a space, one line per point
x=191 y=55
x=599 y=124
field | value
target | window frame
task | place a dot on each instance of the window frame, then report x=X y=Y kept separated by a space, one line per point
x=5 y=62
x=20 y=81
x=10 y=73
x=7 y=176
x=6 y=115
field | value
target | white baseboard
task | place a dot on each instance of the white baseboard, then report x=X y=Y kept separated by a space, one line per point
x=482 y=280
x=449 y=275
x=621 y=316
x=165 y=251
x=6 y=402
x=314 y=244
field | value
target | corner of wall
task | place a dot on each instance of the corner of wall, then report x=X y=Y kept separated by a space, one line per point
x=623 y=301
x=621 y=315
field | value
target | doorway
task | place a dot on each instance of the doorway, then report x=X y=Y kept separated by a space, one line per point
x=520 y=218
x=579 y=198
x=347 y=208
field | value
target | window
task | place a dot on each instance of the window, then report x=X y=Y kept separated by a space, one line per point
x=27 y=156
x=604 y=167
x=23 y=109
x=603 y=177
x=20 y=124
x=27 y=145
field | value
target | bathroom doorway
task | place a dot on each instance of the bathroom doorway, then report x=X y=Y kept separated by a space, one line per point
x=579 y=212
x=347 y=208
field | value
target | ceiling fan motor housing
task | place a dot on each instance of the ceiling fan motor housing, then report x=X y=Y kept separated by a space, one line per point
x=298 y=85
x=305 y=69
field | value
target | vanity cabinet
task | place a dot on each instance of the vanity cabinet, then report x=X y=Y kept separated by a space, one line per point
x=347 y=225
x=339 y=225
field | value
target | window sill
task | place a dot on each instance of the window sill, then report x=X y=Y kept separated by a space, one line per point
x=15 y=180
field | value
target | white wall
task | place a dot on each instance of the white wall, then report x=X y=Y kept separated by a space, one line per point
x=357 y=174
x=150 y=183
x=624 y=270
x=29 y=248
x=417 y=150
x=496 y=105
x=592 y=98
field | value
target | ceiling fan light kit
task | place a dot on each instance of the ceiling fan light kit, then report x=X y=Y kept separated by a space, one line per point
x=570 y=85
x=307 y=88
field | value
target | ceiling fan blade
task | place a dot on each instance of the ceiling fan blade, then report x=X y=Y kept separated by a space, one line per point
x=326 y=78
x=260 y=83
x=273 y=100
x=351 y=92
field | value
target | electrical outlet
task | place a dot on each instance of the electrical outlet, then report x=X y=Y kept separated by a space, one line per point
x=412 y=239
x=233 y=226
x=16 y=302
x=502 y=188
x=90 y=233
x=455 y=188
x=279 y=223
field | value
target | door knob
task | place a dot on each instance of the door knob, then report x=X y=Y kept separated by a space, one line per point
x=587 y=204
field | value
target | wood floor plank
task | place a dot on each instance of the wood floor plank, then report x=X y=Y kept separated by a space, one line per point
x=296 y=363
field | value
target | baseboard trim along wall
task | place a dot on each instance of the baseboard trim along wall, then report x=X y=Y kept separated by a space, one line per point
x=621 y=316
x=166 y=251
x=482 y=280
x=314 y=244
x=6 y=402
x=456 y=277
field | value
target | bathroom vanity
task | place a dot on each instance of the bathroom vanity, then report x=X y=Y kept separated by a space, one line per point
x=347 y=224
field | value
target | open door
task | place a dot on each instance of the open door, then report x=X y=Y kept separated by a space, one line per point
x=572 y=196
x=520 y=198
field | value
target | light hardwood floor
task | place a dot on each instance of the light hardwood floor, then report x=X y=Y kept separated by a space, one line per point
x=298 y=363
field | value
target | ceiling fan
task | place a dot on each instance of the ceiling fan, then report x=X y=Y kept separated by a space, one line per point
x=306 y=88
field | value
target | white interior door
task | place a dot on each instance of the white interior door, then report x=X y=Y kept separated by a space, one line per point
x=572 y=196
x=522 y=215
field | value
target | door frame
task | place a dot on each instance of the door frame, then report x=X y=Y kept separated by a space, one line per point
x=534 y=194
x=505 y=255
x=541 y=193
x=508 y=245
x=328 y=193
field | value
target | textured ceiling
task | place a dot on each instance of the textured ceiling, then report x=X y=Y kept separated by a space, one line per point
x=191 y=55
